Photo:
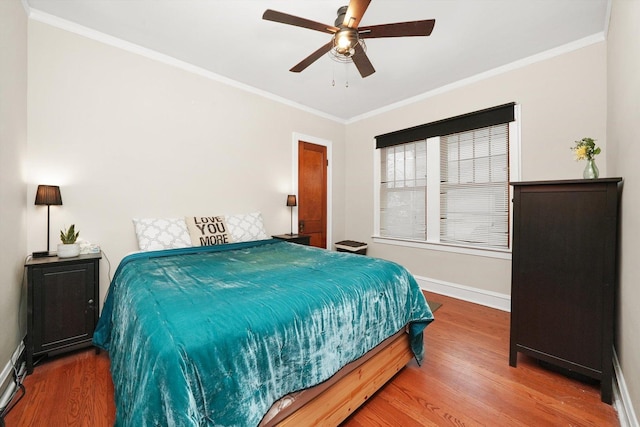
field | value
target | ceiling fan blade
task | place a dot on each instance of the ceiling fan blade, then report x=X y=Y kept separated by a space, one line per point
x=355 y=11
x=362 y=62
x=399 y=29
x=285 y=18
x=312 y=58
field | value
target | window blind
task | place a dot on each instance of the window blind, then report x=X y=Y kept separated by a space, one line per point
x=474 y=189
x=403 y=191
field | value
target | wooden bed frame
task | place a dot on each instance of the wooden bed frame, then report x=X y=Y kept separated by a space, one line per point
x=340 y=399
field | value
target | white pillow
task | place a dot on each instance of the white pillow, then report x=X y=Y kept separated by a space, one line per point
x=161 y=233
x=246 y=227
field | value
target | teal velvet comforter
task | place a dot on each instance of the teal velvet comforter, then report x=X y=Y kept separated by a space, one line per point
x=212 y=336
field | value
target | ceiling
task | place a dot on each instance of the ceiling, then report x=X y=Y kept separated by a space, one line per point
x=230 y=39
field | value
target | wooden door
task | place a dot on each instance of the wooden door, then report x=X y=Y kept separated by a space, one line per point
x=312 y=192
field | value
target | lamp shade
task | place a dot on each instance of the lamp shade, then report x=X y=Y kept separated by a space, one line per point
x=48 y=195
x=291 y=200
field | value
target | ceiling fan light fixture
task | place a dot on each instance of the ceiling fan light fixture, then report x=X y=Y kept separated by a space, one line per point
x=345 y=41
x=345 y=55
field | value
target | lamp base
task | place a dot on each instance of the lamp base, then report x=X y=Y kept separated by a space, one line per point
x=43 y=254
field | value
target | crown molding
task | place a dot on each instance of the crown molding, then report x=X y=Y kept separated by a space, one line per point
x=75 y=28
x=543 y=56
x=72 y=27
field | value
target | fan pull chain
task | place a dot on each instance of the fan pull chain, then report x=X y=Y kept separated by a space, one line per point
x=346 y=75
x=333 y=75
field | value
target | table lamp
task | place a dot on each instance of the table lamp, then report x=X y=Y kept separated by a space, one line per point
x=291 y=202
x=47 y=195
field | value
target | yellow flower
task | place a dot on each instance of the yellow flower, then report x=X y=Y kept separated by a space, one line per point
x=581 y=152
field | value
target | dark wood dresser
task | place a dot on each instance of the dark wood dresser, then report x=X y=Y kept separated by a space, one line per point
x=563 y=284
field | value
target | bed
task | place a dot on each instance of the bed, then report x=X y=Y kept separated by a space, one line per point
x=218 y=335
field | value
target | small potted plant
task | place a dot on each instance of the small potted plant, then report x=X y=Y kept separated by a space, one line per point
x=68 y=248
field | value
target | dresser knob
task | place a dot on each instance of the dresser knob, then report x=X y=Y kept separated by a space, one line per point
x=91 y=302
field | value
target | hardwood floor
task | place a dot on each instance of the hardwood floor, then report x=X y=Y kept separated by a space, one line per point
x=465 y=380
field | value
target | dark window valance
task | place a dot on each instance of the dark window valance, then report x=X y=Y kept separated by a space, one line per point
x=478 y=119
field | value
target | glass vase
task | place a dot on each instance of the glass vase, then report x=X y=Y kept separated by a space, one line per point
x=591 y=170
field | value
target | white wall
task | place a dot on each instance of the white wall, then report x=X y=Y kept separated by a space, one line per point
x=13 y=142
x=623 y=133
x=126 y=136
x=562 y=99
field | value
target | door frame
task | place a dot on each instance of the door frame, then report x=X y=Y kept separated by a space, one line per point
x=294 y=177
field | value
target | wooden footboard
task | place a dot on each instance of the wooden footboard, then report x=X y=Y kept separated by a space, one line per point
x=339 y=401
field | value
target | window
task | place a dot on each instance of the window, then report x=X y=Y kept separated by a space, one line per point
x=451 y=187
x=403 y=191
x=474 y=187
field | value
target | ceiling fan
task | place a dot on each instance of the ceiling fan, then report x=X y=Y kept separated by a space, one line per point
x=348 y=39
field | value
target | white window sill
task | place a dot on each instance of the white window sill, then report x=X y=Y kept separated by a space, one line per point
x=467 y=250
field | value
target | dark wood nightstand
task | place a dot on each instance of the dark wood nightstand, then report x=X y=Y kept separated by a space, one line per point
x=301 y=239
x=62 y=304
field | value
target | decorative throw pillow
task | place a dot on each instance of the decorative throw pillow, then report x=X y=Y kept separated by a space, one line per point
x=207 y=230
x=246 y=227
x=161 y=233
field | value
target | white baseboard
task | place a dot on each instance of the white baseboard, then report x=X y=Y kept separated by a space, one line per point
x=621 y=398
x=466 y=293
x=6 y=376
